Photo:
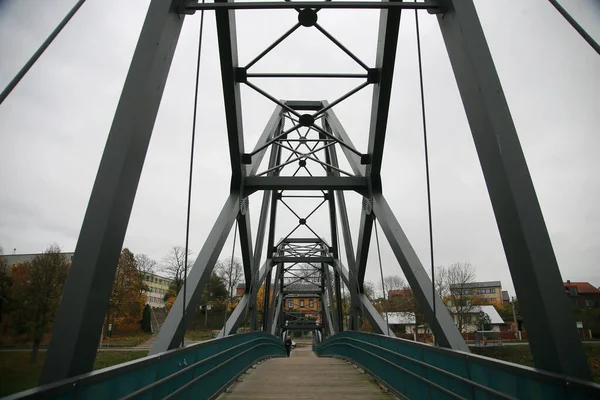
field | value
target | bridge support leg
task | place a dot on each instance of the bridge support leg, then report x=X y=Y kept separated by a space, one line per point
x=170 y=334
x=86 y=296
x=554 y=342
x=420 y=283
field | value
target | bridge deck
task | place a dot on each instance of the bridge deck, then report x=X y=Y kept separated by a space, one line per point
x=305 y=376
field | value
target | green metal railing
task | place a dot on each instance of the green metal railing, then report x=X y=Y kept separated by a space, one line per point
x=416 y=370
x=199 y=371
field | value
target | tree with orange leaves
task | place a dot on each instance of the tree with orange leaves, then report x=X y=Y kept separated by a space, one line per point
x=128 y=296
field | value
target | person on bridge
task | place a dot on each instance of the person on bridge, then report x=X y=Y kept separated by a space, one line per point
x=288 y=344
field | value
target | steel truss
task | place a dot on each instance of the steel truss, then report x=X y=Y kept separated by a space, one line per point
x=304 y=139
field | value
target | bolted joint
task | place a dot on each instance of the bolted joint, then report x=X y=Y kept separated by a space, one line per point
x=307 y=17
x=373 y=75
x=365 y=159
x=302 y=221
x=302 y=163
x=441 y=9
x=306 y=120
x=246 y=159
x=182 y=7
x=241 y=75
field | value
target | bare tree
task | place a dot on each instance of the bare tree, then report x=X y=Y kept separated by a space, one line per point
x=441 y=281
x=393 y=282
x=231 y=271
x=456 y=287
x=174 y=265
x=145 y=264
x=369 y=290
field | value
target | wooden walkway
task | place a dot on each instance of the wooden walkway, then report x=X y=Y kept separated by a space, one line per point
x=304 y=376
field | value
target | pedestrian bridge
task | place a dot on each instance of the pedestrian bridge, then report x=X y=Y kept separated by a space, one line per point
x=348 y=365
x=312 y=163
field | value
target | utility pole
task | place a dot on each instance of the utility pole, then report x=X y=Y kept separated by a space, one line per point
x=516 y=325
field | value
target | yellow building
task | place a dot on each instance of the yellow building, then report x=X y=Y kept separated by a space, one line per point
x=158 y=286
x=482 y=292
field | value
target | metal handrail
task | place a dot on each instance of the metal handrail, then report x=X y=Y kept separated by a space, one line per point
x=420 y=363
x=196 y=364
x=75 y=385
x=565 y=383
x=190 y=383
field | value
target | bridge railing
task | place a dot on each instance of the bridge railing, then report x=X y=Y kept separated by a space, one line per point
x=199 y=371
x=416 y=370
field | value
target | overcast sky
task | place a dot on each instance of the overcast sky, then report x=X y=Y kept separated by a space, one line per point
x=54 y=125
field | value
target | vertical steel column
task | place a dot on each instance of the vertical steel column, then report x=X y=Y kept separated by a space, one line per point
x=334 y=322
x=353 y=287
x=86 y=296
x=276 y=290
x=554 y=342
x=339 y=301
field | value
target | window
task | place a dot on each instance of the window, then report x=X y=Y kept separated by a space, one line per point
x=486 y=291
x=290 y=304
x=311 y=303
x=301 y=303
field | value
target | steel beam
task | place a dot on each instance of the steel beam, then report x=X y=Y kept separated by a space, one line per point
x=304 y=105
x=334 y=125
x=445 y=330
x=554 y=341
x=86 y=295
x=260 y=235
x=276 y=293
x=338 y=303
x=275 y=327
x=353 y=286
x=315 y=259
x=254 y=183
x=258 y=5
x=389 y=25
x=364 y=241
x=236 y=317
x=334 y=323
x=375 y=319
x=170 y=334
x=301 y=240
x=227 y=40
x=272 y=128
x=264 y=210
x=246 y=246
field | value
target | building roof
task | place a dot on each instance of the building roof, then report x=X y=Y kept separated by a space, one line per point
x=400 y=318
x=474 y=285
x=491 y=312
x=582 y=287
x=301 y=287
x=505 y=296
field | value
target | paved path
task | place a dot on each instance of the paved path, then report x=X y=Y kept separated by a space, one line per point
x=305 y=376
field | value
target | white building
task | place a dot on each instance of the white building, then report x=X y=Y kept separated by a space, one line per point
x=473 y=318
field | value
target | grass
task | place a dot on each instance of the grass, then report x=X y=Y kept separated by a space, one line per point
x=198 y=336
x=127 y=339
x=17 y=373
x=521 y=354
